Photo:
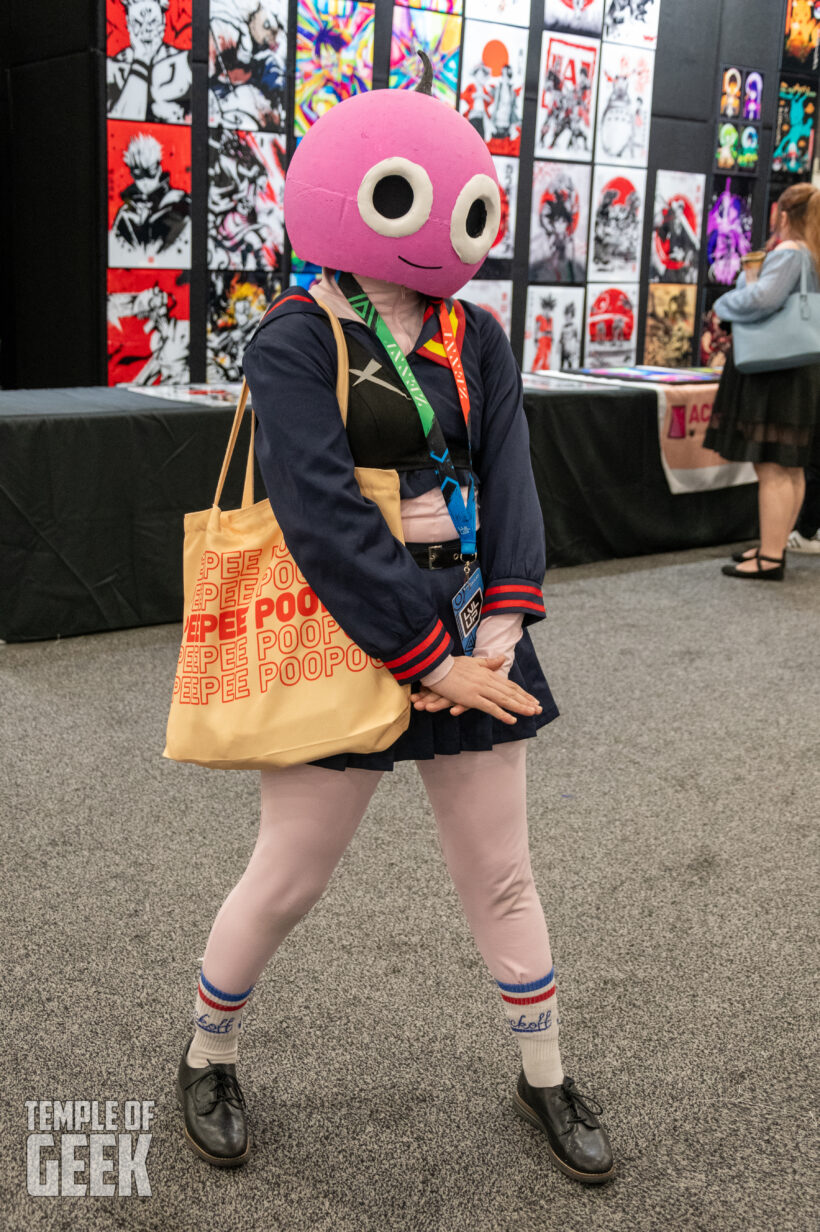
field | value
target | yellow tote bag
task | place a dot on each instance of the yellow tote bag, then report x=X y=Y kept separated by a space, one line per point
x=265 y=676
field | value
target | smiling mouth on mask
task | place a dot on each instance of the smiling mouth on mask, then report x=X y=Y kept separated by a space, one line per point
x=416 y=264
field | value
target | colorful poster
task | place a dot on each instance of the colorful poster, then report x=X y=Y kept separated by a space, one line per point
x=801 y=50
x=247 y=65
x=509 y=12
x=574 y=16
x=436 y=33
x=612 y=319
x=728 y=228
x=334 y=56
x=676 y=226
x=246 y=184
x=568 y=82
x=794 y=131
x=748 y=154
x=494 y=297
x=433 y=6
x=148 y=326
x=624 y=105
x=236 y=304
x=559 y=222
x=715 y=341
x=632 y=21
x=752 y=95
x=148 y=69
x=552 y=334
x=617 y=223
x=494 y=61
x=727 y=146
x=731 y=83
x=149 y=195
x=670 y=325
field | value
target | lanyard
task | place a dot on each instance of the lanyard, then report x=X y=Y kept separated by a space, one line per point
x=463 y=513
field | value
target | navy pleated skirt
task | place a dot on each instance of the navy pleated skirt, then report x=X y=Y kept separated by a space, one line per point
x=431 y=734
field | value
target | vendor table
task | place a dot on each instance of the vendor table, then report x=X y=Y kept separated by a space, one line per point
x=94 y=484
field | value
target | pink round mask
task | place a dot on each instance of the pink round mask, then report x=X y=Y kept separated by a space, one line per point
x=394 y=185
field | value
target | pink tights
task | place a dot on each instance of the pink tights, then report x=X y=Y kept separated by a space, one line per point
x=309 y=815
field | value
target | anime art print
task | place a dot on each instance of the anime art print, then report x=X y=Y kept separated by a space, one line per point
x=554 y=329
x=794 y=131
x=440 y=36
x=559 y=222
x=752 y=95
x=728 y=229
x=247 y=61
x=500 y=255
x=508 y=12
x=148 y=326
x=617 y=223
x=731 y=93
x=748 y=153
x=334 y=56
x=148 y=70
x=801 y=50
x=246 y=183
x=612 y=318
x=715 y=341
x=727 y=146
x=493 y=296
x=455 y=7
x=493 y=64
x=568 y=82
x=670 y=325
x=236 y=304
x=624 y=105
x=676 y=226
x=574 y=16
x=149 y=195
x=632 y=21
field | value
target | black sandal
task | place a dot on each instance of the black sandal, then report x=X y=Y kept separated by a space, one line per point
x=741 y=556
x=761 y=575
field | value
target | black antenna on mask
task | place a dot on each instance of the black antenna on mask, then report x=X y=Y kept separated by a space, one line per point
x=425 y=86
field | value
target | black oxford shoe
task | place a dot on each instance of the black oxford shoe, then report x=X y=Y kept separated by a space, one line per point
x=575 y=1137
x=216 y=1123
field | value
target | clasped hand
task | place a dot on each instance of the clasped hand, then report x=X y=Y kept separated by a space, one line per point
x=477 y=684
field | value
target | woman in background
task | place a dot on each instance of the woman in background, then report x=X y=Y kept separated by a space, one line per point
x=770 y=418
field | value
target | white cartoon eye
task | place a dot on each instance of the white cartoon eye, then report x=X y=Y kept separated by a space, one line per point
x=475 y=219
x=395 y=197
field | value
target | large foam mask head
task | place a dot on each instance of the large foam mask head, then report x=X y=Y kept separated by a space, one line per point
x=396 y=185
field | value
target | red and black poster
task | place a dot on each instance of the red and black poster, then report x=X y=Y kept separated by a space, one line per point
x=149 y=195
x=148 y=327
x=148 y=70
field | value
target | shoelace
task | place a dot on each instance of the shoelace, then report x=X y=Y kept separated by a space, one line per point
x=225 y=1088
x=582 y=1106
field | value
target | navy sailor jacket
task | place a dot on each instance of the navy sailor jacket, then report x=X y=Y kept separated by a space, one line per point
x=365 y=577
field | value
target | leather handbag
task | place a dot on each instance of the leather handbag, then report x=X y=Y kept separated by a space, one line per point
x=789 y=338
x=265 y=675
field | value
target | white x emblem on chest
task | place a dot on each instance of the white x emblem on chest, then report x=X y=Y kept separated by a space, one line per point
x=368 y=374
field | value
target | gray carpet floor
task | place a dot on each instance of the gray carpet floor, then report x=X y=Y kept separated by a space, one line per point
x=673 y=818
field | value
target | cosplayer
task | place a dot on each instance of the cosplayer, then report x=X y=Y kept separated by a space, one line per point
x=395 y=196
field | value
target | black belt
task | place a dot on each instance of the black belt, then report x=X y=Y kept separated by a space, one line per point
x=439 y=555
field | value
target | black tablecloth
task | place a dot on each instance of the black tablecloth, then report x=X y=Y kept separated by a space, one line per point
x=602 y=488
x=94 y=484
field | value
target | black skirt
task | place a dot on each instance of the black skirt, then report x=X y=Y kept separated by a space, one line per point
x=429 y=735
x=767 y=416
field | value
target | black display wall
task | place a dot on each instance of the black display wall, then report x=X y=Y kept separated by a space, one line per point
x=52 y=239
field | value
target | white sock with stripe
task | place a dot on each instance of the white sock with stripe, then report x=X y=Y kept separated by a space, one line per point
x=218 y=1021
x=532 y=1013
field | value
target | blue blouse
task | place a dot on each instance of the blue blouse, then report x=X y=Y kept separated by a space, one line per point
x=779 y=277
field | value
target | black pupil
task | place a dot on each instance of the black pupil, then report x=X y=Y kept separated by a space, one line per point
x=393 y=196
x=476 y=219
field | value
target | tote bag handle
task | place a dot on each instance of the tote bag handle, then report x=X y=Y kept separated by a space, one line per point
x=342 y=379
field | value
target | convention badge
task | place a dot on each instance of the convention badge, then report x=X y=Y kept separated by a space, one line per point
x=467 y=604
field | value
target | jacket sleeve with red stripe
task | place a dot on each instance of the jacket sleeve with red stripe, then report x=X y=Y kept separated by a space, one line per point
x=366 y=578
x=513 y=554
